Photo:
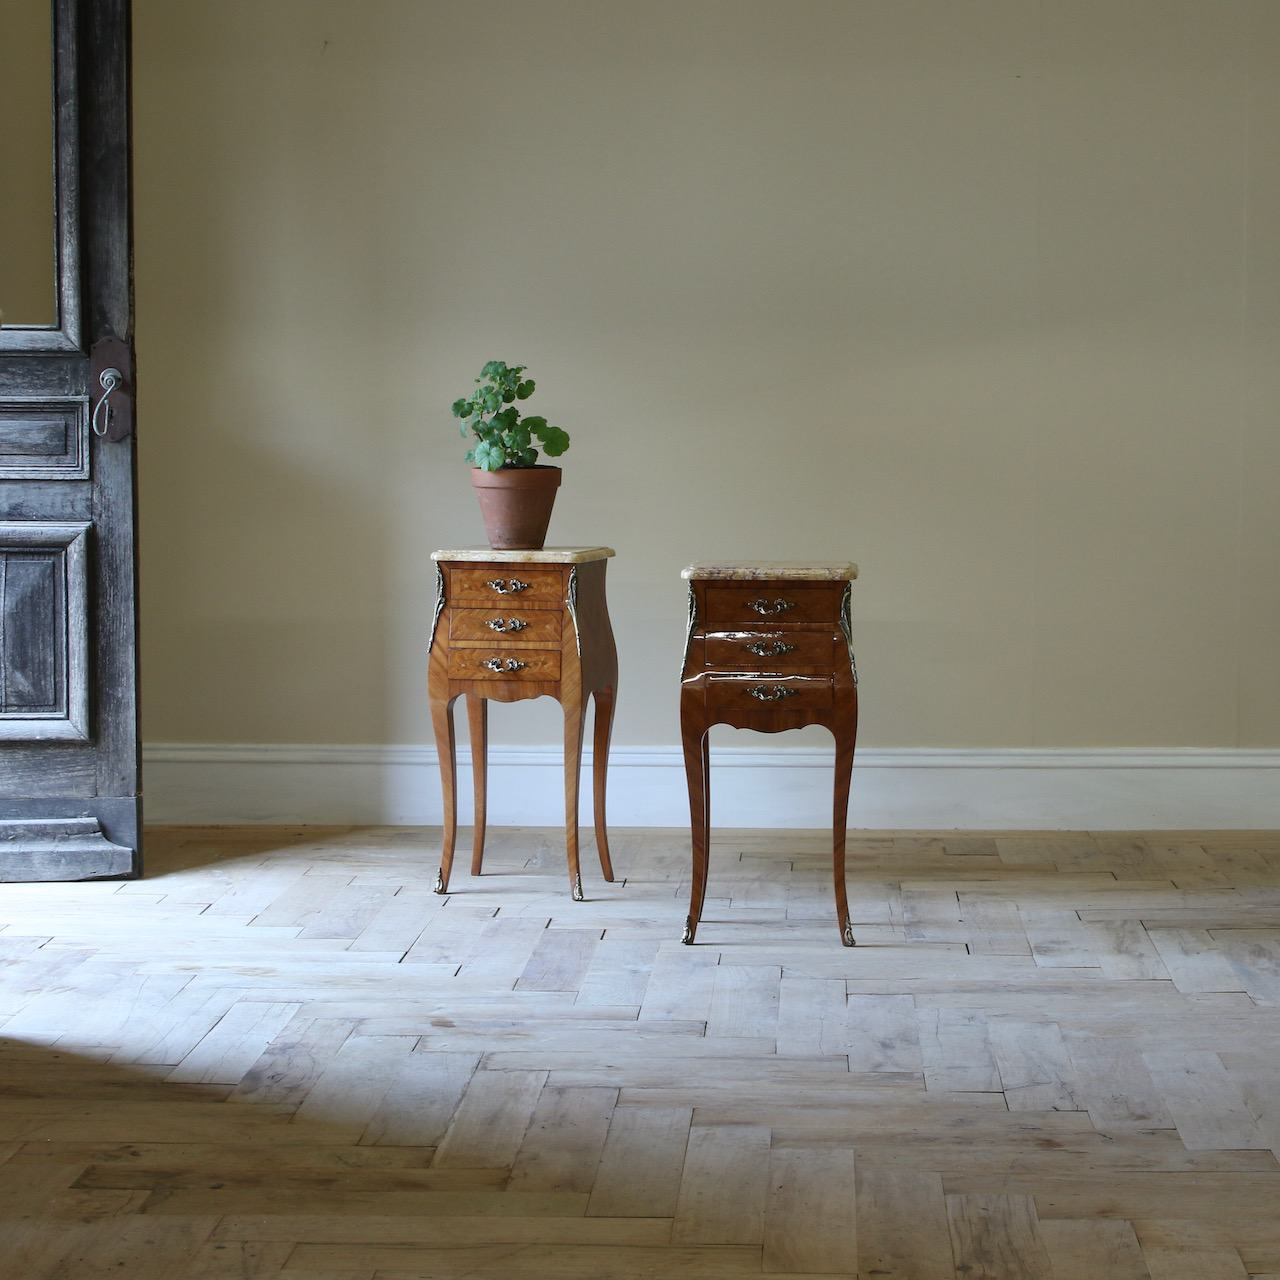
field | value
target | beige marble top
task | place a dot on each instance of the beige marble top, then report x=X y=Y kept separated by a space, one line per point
x=548 y=555
x=760 y=570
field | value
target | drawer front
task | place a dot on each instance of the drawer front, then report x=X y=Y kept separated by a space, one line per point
x=504 y=664
x=772 y=603
x=786 y=693
x=507 y=584
x=524 y=626
x=768 y=650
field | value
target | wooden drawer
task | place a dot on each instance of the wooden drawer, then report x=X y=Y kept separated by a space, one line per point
x=768 y=650
x=788 y=693
x=507 y=585
x=773 y=603
x=524 y=626
x=504 y=664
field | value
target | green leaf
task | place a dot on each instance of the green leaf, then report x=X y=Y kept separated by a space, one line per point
x=518 y=437
x=528 y=457
x=489 y=456
x=461 y=408
x=524 y=389
x=554 y=441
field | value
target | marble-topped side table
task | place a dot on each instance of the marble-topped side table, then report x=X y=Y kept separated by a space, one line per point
x=769 y=648
x=511 y=625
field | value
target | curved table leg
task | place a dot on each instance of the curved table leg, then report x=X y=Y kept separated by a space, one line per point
x=447 y=751
x=697 y=760
x=604 y=699
x=478 y=721
x=839 y=824
x=573 y=735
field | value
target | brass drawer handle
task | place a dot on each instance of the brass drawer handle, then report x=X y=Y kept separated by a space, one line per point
x=771 y=606
x=505 y=587
x=771 y=692
x=498 y=664
x=770 y=649
x=510 y=624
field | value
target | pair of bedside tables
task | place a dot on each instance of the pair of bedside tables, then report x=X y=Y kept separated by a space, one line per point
x=768 y=648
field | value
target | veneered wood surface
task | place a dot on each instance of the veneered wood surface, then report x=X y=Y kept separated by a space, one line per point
x=566 y=651
x=524 y=626
x=506 y=586
x=724 y=682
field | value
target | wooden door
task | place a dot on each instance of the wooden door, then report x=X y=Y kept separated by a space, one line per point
x=69 y=768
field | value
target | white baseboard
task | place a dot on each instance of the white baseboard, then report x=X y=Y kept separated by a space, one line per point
x=901 y=788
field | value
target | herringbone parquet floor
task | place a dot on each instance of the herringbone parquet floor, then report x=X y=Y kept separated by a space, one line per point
x=281 y=1055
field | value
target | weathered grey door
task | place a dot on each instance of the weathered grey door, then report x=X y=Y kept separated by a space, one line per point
x=69 y=775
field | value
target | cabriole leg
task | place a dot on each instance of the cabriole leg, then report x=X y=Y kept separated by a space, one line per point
x=478 y=722
x=604 y=700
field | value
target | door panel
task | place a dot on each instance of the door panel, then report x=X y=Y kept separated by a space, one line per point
x=44 y=689
x=44 y=439
x=70 y=795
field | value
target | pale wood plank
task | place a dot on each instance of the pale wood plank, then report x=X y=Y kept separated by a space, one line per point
x=349 y=912
x=1113 y=1083
x=810 y=1223
x=995 y=927
x=1194 y=960
x=560 y=960
x=1165 y=1263
x=619 y=971
x=995 y=1237
x=563 y=1144
x=813 y=1016
x=902 y=1226
x=421 y=1100
x=1125 y=952
x=1035 y=1069
x=352 y=1086
x=293 y=1061
x=680 y=984
x=744 y=1001
x=1206 y=1104
x=503 y=949
x=491 y=1120
x=302 y=901
x=883 y=1034
x=400 y=922
x=1057 y=937
x=724 y=1186
x=642 y=1161
x=235 y=1043
x=543 y=1262
x=956 y=1047
x=1093 y=1250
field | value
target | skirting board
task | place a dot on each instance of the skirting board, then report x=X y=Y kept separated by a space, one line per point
x=900 y=788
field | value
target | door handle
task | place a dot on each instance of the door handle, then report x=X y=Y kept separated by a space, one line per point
x=109 y=379
x=109 y=363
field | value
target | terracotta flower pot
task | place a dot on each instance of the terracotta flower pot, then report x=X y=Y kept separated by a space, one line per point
x=515 y=504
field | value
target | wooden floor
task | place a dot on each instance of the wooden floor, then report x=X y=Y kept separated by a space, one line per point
x=281 y=1054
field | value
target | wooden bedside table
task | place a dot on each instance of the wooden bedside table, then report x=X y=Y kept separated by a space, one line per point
x=769 y=648
x=519 y=624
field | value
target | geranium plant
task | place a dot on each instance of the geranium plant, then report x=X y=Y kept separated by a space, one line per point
x=505 y=438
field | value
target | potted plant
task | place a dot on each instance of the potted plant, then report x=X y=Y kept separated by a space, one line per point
x=516 y=491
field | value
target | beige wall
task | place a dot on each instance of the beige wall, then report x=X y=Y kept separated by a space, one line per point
x=980 y=295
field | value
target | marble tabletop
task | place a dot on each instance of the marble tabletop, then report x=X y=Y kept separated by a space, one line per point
x=548 y=555
x=761 y=570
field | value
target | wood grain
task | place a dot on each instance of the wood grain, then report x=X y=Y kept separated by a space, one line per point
x=261 y=1062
